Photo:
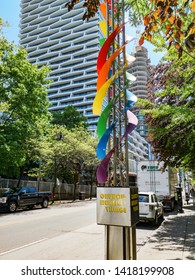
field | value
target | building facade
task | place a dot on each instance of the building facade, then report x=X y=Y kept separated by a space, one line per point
x=140 y=68
x=60 y=39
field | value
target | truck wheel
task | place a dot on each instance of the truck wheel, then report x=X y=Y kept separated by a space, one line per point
x=12 y=206
x=45 y=203
x=172 y=205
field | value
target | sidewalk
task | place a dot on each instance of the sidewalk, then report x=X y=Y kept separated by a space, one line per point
x=175 y=238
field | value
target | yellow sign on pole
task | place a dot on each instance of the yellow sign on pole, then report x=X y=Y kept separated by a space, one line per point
x=117 y=206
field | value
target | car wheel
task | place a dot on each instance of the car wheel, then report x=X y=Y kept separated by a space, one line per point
x=45 y=203
x=12 y=206
x=162 y=216
x=156 y=221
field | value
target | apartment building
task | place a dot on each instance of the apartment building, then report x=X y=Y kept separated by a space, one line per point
x=140 y=68
x=60 y=39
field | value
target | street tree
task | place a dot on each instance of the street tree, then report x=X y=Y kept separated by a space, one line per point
x=70 y=117
x=86 y=162
x=170 y=110
x=67 y=155
x=23 y=107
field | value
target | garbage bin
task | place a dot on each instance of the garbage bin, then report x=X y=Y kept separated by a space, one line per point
x=81 y=195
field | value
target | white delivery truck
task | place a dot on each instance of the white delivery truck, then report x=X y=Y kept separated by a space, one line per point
x=152 y=178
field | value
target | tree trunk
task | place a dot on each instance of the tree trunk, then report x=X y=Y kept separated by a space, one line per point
x=21 y=174
x=74 y=191
x=55 y=177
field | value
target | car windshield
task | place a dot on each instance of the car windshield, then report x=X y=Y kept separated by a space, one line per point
x=143 y=198
x=7 y=191
x=2 y=191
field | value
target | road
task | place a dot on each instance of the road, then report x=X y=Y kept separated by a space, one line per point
x=62 y=232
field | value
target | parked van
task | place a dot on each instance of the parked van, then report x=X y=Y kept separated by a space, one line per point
x=150 y=209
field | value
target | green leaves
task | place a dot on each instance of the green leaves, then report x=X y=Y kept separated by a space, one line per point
x=27 y=136
x=65 y=156
x=70 y=117
x=23 y=106
x=170 y=112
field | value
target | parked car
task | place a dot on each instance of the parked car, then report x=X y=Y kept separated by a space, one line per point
x=13 y=198
x=150 y=209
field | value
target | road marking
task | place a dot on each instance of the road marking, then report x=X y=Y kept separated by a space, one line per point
x=24 y=246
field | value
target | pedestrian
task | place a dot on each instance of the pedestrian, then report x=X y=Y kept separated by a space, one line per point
x=187 y=198
x=193 y=195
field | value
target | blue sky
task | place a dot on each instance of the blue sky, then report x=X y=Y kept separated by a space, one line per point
x=10 y=10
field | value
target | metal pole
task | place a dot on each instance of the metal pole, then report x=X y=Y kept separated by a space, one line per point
x=133 y=242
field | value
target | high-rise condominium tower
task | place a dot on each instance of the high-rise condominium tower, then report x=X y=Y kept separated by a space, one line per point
x=140 y=68
x=69 y=46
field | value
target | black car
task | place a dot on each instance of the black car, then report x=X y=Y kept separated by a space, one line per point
x=13 y=198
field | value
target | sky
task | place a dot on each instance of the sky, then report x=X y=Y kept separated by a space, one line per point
x=10 y=10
